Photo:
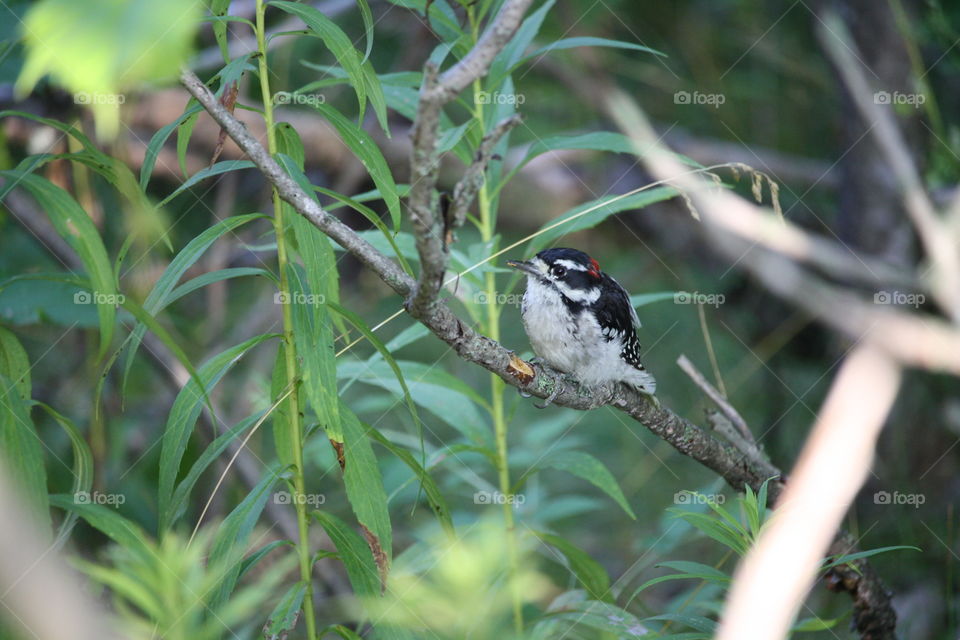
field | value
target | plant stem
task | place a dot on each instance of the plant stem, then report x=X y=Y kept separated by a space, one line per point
x=290 y=354
x=497 y=386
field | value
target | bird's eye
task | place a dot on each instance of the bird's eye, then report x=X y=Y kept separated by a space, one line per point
x=559 y=271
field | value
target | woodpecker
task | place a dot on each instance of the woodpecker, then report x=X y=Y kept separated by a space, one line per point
x=580 y=321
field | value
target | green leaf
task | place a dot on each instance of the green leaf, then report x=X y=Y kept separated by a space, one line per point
x=437 y=502
x=572 y=43
x=699 y=623
x=589 y=572
x=230 y=543
x=184 y=133
x=336 y=40
x=814 y=624
x=513 y=52
x=14 y=364
x=220 y=8
x=159 y=138
x=447 y=404
x=284 y=615
x=698 y=570
x=122 y=531
x=834 y=561
x=354 y=553
x=714 y=528
x=82 y=468
x=161 y=294
x=367 y=16
x=183 y=416
x=224 y=166
x=313 y=339
x=365 y=491
x=205 y=279
x=22 y=451
x=590 y=214
x=75 y=226
x=584 y=465
x=362 y=327
x=181 y=495
x=366 y=150
x=103 y=46
x=643 y=299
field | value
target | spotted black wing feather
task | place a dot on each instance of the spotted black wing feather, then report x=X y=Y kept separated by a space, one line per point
x=618 y=319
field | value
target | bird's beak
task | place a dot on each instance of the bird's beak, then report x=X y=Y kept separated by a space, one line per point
x=523 y=265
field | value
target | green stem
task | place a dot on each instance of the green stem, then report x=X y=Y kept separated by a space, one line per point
x=290 y=354
x=497 y=386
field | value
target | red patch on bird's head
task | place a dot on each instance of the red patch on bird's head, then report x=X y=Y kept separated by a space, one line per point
x=594 y=269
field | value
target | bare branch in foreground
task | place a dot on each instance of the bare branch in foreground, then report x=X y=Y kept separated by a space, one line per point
x=711 y=392
x=791 y=548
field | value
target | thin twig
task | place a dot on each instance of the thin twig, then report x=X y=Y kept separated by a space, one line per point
x=716 y=397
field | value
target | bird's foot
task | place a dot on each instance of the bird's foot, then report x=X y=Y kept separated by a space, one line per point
x=560 y=379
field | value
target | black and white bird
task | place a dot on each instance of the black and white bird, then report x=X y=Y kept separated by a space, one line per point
x=580 y=320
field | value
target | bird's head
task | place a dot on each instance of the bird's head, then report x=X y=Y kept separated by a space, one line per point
x=569 y=272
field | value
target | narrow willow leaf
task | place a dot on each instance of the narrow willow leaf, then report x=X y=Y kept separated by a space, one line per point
x=699 y=623
x=158 y=140
x=366 y=150
x=160 y=296
x=284 y=616
x=449 y=405
x=362 y=327
x=437 y=502
x=589 y=572
x=367 y=16
x=375 y=94
x=814 y=624
x=584 y=465
x=22 y=451
x=714 y=528
x=184 y=133
x=834 y=561
x=643 y=299
x=181 y=495
x=572 y=43
x=82 y=467
x=373 y=218
x=365 y=491
x=282 y=441
x=313 y=338
x=230 y=542
x=511 y=54
x=106 y=520
x=251 y=561
x=354 y=553
x=75 y=226
x=183 y=415
x=219 y=8
x=336 y=40
x=205 y=279
x=599 y=210
x=14 y=364
x=224 y=166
